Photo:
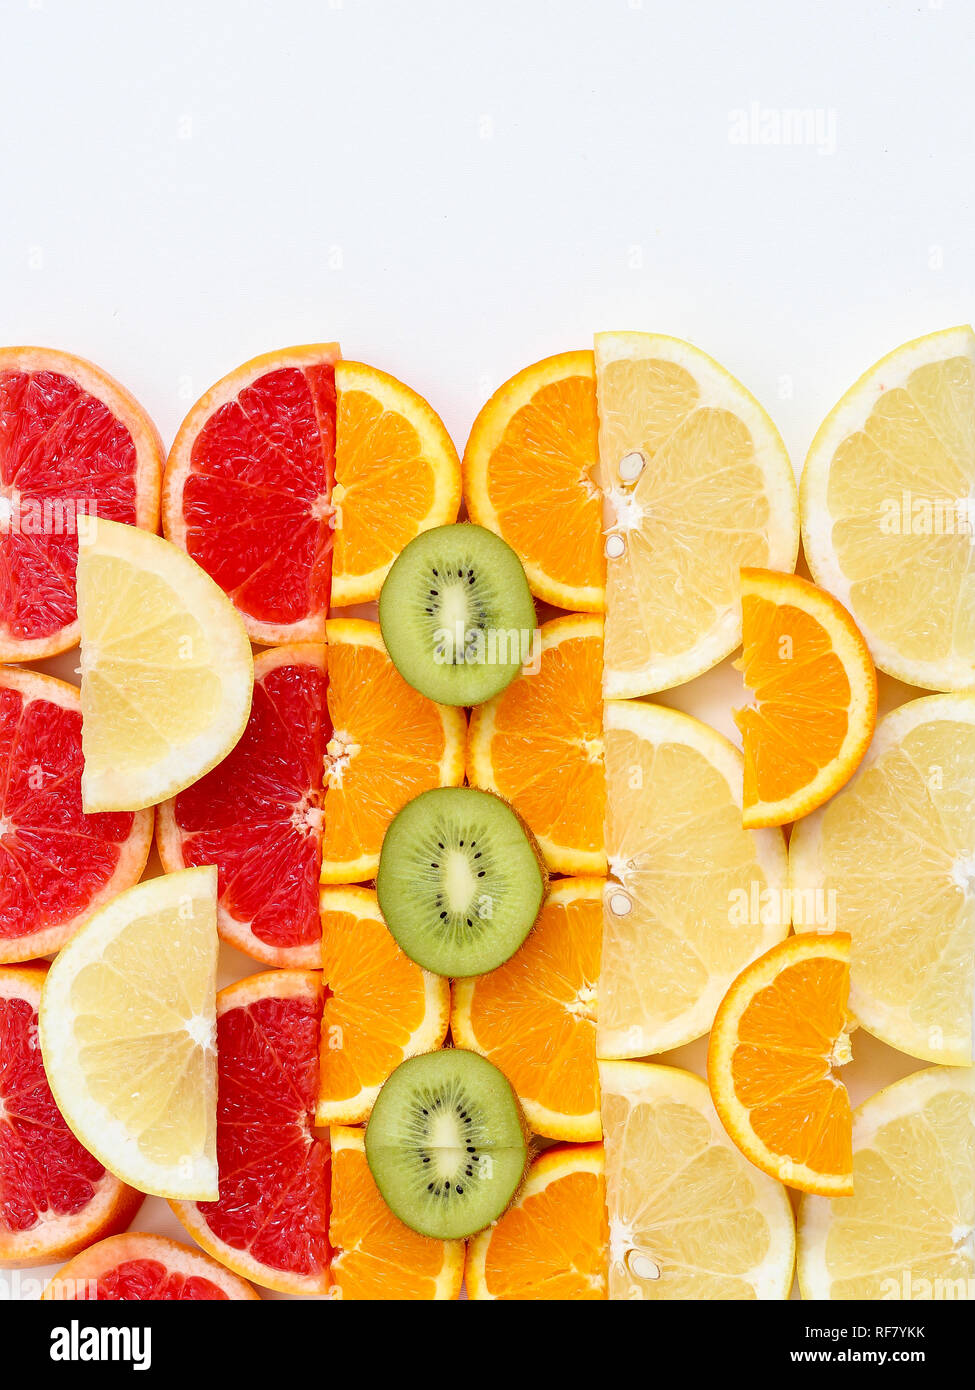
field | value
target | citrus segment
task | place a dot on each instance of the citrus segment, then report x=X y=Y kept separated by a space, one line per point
x=891 y=859
x=258 y=815
x=379 y=1007
x=689 y=1216
x=145 y=1269
x=529 y=475
x=396 y=474
x=779 y=1032
x=908 y=1230
x=696 y=483
x=375 y=1256
x=57 y=865
x=539 y=745
x=166 y=669
x=388 y=744
x=248 y=490
x=535 y=1016
x=55 y=1197
x=693 y=897
x=127 y=1034
x=552 y=1244
x=815 y=696
x=886 y=502
x=73 y=445
x=270 y=1223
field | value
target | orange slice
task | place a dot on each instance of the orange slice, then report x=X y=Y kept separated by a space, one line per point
x=529 y=475
x=375 y=1255
x=380 y=1008
x=388 y=744
x=779 y=1032
x=535 y=1016
x=539 y=745
x=815 y=693
x=554 y=1242
x=396 y=474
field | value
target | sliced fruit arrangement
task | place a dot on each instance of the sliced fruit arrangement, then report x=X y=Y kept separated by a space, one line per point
x=166 y=669
x=388 y=744
x=886 y=504
x=127 y=1034
x=779 y=1033
x=270 y=1223
x=696 y=483
x=553 y=1242
x=460 y=882
x=396 y=474
x=258 y=815
x=535 y=1016
x=146 y=1269
x=379 y=1007
x=55 y=1196
x=57 y=865
x=295 y=453
x=908 y=1230
x=721 y=1230
x=457 y=615
x=73 y=445
x=693 y=897
x=446 y=1143
x=248 y=490
x=376 y=1257
x=891 y=857
x=539 y=745
x=529 y=476
x=815 y=691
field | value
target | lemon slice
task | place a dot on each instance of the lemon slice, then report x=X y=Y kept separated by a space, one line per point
x=696 y=483
x=128 y=1035
x=689 y=1216
x=908 y=1231
x=166 y=669
x=891 y=860
x=888 y=509
x=693 y=897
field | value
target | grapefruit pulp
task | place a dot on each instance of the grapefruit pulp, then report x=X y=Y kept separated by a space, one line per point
x=146 y=1269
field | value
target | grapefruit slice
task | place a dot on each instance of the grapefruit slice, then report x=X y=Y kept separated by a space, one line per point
x=380 y=1008
x=73 y=444
x=270 y=1223
x=258 y=815
x=146 y=1269
x=57 y=865
x=55 y=1197
x=396 y=474
x=376 y=1256
x=248 y=490
x=389 y=744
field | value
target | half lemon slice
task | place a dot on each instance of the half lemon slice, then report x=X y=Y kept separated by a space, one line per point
x=128 y=1035
x=166 y=669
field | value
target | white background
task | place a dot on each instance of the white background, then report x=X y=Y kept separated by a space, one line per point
x=455 y=188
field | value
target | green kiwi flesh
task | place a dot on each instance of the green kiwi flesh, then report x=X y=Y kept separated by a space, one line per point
x=457 y=615
x=460 y=880
x=446 y=1143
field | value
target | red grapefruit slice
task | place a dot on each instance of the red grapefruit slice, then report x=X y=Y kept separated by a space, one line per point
x=270 y=1223
x=258 y=814
x=55 y=1198
x=73 y=444
x=248 y=490
x=147 y=1269
x=57 y=865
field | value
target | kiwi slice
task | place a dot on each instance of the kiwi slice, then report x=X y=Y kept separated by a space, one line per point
x=460 y=880
x=446 y=1143
x=457 y=615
